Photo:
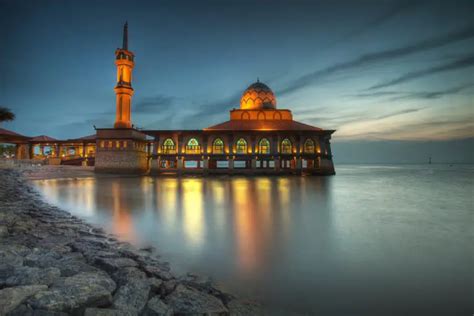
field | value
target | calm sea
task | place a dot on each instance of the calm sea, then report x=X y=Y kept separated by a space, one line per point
x=375 y=240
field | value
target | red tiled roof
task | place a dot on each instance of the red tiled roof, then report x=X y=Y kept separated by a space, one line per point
x=248 y=125
x=89 y=137
x=43 y=138
x=6 y=133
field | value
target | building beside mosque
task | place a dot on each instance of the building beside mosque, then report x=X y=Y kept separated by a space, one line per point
x=257 y=138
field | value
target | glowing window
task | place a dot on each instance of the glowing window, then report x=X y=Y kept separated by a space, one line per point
x=218 y=146
x=309 y=146
x=241 y=146
x=286 y=146
x=168 y=146
x=264 y=146
x=193 y=147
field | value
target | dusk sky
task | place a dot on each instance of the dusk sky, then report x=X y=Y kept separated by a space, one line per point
x=372 y=70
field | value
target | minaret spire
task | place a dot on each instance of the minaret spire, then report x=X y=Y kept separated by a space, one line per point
x=125 y=36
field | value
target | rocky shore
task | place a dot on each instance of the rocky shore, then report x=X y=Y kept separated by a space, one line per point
x=52 y=263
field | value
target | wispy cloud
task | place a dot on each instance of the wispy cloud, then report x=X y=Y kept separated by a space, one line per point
x=391 y=12
x=153 y=104
x=457 y=64
x=403 y=95
x=377 y=57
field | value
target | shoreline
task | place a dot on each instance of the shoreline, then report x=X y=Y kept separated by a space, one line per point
x=53 y=261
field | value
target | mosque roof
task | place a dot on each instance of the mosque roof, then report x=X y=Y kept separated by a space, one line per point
x=251 y=125
x=43 y=138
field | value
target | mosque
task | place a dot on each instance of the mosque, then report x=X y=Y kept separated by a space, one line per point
x=258 y=138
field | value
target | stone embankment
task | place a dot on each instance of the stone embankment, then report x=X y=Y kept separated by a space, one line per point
x=52 y=263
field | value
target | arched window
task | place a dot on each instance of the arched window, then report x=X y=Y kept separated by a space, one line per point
x=309 y=146
x=241 y=146
x=286 y=146
x=264 y=146
x=218 y=146
x=193 y=147
x=168 y=146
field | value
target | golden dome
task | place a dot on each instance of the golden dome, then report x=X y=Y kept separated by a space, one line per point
x=258 y=96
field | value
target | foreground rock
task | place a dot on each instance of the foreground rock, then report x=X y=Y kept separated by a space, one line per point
x=52 y=263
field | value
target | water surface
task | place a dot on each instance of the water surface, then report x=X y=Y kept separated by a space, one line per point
x=370 y=240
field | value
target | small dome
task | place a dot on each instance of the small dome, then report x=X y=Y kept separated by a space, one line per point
x=258 y=96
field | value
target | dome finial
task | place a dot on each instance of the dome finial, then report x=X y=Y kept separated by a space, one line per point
x=258 y=80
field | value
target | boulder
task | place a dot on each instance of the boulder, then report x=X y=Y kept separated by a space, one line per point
x=155 y=285
x=113 y=264
x=31 y=275
x=156 y=307
x=86 y=289
x=12 y=297
x=186 y=300
x=132 y=296
x=156 y=271
x=106 y=312
x=128 y=274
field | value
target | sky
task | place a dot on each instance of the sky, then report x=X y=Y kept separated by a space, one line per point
x=378 y=72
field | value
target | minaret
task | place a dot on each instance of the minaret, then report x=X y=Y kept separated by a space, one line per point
x=123 y=89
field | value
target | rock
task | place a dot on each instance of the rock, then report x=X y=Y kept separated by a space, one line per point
x=156 y=307
x=158 y=272
x=105 y=312
x=187 y=300
x=128 y=274
x=12 y=297
x=155 y=285
x=31 y=275
x=244 y=308
x=69 y=264
x=86 y=289
x=132 y=296
x=9 y=257
x=113 y=264
x=3 y=231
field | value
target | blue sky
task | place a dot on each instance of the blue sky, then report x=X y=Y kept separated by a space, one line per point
x=377 y=70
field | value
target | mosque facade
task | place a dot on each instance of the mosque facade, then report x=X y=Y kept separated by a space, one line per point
x=258 y=138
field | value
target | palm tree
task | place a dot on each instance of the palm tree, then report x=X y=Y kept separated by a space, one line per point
x=6 y=115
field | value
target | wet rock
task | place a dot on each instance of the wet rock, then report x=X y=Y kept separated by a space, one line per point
x=132 y=296
x=69 y=264
x=155 y=285
x=168 y=287
x=31 y=275
x=86 y=289
x=128 y=274
x=106 y=312
x=244 y=308
x=158 y=272
x=12 y=258
x=156 y=307
x=113 y=264
x=3 y=231
x=187 y=300
x=12 y=297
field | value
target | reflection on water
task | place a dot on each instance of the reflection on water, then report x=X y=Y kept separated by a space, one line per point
x=379 y=238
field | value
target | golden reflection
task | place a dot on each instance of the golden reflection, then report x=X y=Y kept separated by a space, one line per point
x=284 y=193
x=248 y=238
x=193 y=220
x=121 y=220
x=166 y=200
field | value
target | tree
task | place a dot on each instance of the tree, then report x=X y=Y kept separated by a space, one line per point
x=6 y=115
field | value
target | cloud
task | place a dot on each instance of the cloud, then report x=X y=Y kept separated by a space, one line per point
x=377 y=57
x=153 y=104
x=460 y=63
x=403 y=95
x=391 y=12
